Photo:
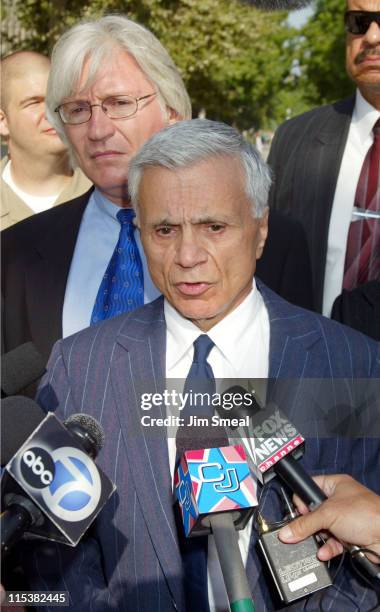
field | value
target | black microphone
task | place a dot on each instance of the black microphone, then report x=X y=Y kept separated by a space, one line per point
x=20 y=368
x=50 y=487
x=276 y=446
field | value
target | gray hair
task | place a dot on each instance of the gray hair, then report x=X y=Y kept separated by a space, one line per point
x=188 y=142
x=97 y=40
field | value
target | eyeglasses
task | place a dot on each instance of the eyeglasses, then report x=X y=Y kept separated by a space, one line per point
x=358 y=22
x=115 y=107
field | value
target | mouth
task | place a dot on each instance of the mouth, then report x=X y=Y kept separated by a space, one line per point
x=368 y=58
x=193 y=289
x=50 y=132
x=105 y=154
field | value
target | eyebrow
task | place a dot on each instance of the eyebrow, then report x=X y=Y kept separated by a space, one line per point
x=32 y=99
x=198 y=221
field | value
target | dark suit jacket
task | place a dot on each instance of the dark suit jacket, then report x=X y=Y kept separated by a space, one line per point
x=36 y=258
x=131 y=560
x=306 y=155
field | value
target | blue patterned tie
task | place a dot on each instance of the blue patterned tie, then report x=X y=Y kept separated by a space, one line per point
x=122 y=286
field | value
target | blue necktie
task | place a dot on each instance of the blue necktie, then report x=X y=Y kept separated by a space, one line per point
x=200 y=379
x=122 y=286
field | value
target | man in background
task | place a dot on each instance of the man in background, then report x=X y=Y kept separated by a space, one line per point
x=37 y=173
x=327 y=165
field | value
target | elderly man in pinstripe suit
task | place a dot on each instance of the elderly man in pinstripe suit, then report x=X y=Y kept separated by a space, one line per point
x=200 y=195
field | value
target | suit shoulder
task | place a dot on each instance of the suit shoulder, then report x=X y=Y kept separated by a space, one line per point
x=32 y=229
x=137 y=323
x=317 y=116
x=349 y=343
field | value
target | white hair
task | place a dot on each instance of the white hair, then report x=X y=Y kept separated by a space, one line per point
x=97 y=40
x=188 y=142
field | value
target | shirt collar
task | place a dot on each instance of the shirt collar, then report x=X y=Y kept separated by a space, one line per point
x=364 y=117
x=105 y=205
x=183 y=332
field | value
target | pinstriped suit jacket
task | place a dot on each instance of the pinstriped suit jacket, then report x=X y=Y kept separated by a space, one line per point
x=130 y=560
x=305 y=155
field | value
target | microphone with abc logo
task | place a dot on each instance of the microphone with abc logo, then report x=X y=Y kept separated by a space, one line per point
x=50 y=486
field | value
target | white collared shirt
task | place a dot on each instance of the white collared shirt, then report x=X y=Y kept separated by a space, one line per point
x=97 y=239
x=359 y=140
x=241 y=351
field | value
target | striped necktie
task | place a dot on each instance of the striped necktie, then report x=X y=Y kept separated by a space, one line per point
x=122 y=286
x=362 y=261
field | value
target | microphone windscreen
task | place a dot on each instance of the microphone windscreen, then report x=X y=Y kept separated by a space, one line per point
x=193 y=439
x=91 y=428
x=20 y=416
x=278 y=5
x=21 y=367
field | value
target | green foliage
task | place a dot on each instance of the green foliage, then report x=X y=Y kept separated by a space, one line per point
x=324 y=53
x=233 y=58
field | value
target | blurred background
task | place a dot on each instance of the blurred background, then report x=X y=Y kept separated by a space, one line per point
x=249 y=68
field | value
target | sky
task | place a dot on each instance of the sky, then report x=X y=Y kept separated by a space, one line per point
x=298 y=18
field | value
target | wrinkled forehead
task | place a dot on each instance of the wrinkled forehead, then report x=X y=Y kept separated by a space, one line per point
x=99 y=64
x=363 y=5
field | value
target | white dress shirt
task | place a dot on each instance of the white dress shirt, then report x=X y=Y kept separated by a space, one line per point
x=359 y=140
x=241 y=351
x=97 y=238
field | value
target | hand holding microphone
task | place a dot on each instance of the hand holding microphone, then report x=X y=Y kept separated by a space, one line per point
x=350 y=514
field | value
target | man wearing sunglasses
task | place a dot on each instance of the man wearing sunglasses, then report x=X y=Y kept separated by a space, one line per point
x=326 y=164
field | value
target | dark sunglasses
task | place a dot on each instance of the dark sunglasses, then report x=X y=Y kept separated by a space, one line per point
x=358 y=22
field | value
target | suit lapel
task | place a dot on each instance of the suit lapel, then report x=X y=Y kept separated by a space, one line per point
x=139 y=368
x=48 y=272
x=293 y=337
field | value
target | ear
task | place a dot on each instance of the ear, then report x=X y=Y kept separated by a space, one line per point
x=262 y=233
x=4 y=131
x=173 y=116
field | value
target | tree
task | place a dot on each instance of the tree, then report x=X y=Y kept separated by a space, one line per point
x=234 y=59
x=323 y=51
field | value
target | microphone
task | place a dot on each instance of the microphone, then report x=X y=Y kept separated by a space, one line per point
x=216 y=494
x=51 y=487
x=276 y=446
x=20 y=367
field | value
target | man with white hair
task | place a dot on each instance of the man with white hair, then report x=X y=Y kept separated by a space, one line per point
x=111 y=86
x=200 y=194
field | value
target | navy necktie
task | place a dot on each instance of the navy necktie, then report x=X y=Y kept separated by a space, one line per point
x=122 y=286
x=200 y=379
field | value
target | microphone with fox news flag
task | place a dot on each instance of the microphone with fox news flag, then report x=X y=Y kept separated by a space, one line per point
x=276 y=445
x=50 y=487
x=216 y=494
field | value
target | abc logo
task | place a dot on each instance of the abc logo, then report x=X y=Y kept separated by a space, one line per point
x=75 y=491
x=37 y=467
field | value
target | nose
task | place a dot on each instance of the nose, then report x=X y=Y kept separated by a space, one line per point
x=372 y=36
x=100 y=127
x=189 y=251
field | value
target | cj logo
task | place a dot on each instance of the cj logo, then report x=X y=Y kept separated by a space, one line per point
x=75 y=491
x=227 y=481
